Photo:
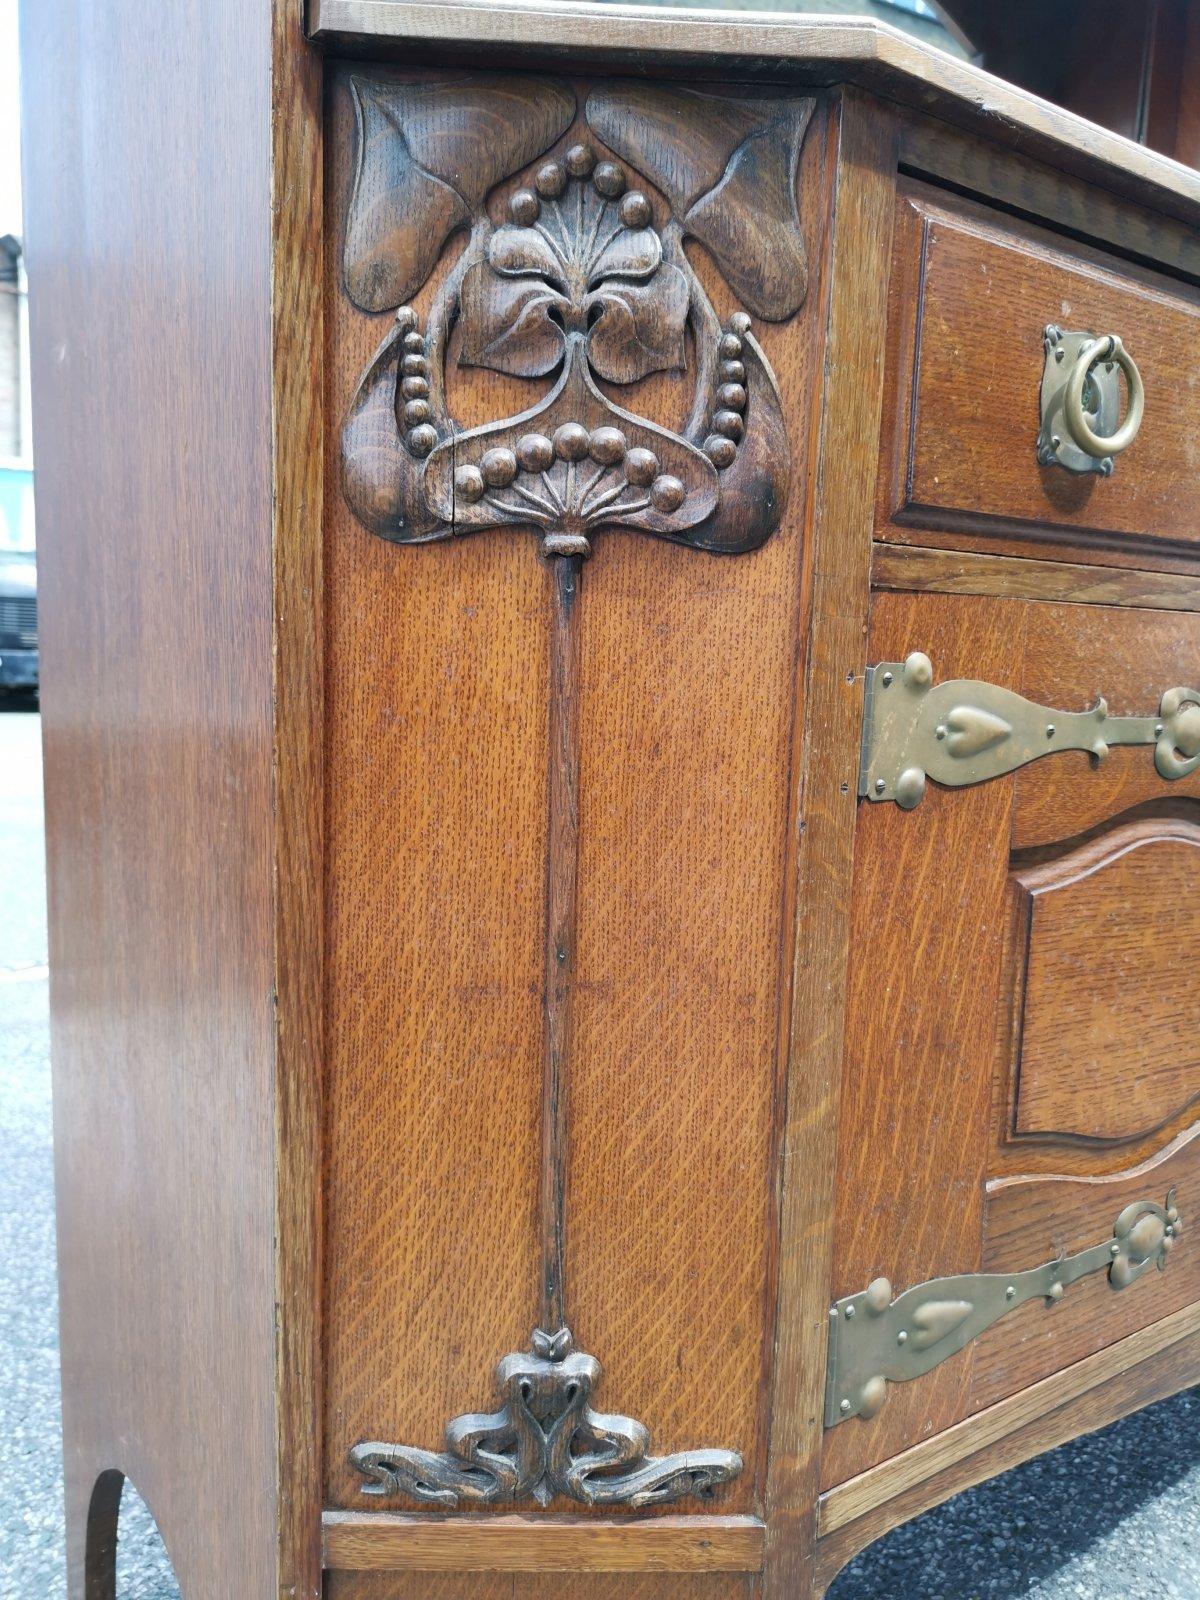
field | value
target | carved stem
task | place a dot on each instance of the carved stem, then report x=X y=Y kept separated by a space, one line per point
x=562 y=860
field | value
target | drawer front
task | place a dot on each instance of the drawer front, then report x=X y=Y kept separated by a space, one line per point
x=1019 y=1067
x=972 y=298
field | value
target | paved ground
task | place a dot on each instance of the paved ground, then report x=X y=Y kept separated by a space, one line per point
x=1113 y=1517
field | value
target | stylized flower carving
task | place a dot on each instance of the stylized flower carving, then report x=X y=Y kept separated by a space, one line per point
x=579 y=256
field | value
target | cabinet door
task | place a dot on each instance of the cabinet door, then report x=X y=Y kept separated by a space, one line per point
x=1019 y=1062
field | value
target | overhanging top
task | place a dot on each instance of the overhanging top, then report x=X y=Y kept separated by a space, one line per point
x=795 y=48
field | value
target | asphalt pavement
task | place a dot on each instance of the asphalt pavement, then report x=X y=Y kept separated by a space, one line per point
x=1115 y=1516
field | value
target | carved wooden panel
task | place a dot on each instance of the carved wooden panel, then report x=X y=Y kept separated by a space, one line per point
x=1104 y=1035
x=570 y=277
x=579 y=278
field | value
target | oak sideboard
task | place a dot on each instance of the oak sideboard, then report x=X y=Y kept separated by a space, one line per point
x=621 y=632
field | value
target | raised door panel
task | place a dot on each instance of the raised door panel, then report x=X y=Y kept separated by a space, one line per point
x=1104 y=1045
x=1029 y=912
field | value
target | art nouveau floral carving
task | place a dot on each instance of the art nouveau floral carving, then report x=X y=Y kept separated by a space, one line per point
x=583 y=284
x=546 y=1441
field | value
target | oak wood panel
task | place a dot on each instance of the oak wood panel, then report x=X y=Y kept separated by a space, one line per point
x=1030 y=1220
x=928 y=910
x=932 y=571
x=151 y=252
x=298 y=442
x=436 y=741
x=1121 y=1387
x=687 y=702
x=822 y=845
x=1103 y=1047
x=360 y=1541
x=536 y=1586
x=987 y=290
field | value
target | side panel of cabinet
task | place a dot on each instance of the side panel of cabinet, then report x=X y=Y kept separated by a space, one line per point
x=444 y=715
x=949 y=981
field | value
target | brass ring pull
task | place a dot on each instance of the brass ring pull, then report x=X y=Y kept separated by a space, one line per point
x=1106 y=348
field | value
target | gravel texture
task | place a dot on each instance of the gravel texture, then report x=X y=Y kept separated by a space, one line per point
x=1112 y=1517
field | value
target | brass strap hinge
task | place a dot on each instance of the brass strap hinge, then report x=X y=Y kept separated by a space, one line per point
x=964 y=731
x=875 y=1340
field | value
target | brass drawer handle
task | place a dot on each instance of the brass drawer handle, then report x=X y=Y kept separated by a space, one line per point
x=1108 y=348
x=1081 y=401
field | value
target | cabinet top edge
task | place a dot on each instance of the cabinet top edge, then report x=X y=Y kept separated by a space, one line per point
x=817 y=50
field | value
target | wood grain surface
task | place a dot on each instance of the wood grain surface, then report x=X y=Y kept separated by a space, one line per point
x=929 y=1029
x=927 y=918
x=821 y=845
x=1103 y=1046
x=985 y=291
x=151 y=248
x=933 y=571
x=682 y=715
x=362 y=1541
x=823 y=50
x=537 y=1586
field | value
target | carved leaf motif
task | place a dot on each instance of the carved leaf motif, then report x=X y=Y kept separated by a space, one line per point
x=513 y=251
x=640 y=327
x=728 y=166
x=507 y=326
x=428 y=152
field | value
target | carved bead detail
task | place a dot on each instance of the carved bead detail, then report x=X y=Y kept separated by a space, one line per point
x=609 y=180
x=469 y=484
x=667 y=493
x=635 y=210
x=551 y=180
x=524 y=207
x=499 y=468
x=580 y=161
x=535 y=452
x=720 y=451
x=571 y=441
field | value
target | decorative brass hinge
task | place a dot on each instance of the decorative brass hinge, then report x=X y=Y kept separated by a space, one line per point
x=874 y=1340
x=964 y=731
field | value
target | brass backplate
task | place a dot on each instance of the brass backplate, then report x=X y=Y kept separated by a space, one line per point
x=1101 y=403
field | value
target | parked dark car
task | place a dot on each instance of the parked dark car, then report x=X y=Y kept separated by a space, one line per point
x=18 y=621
